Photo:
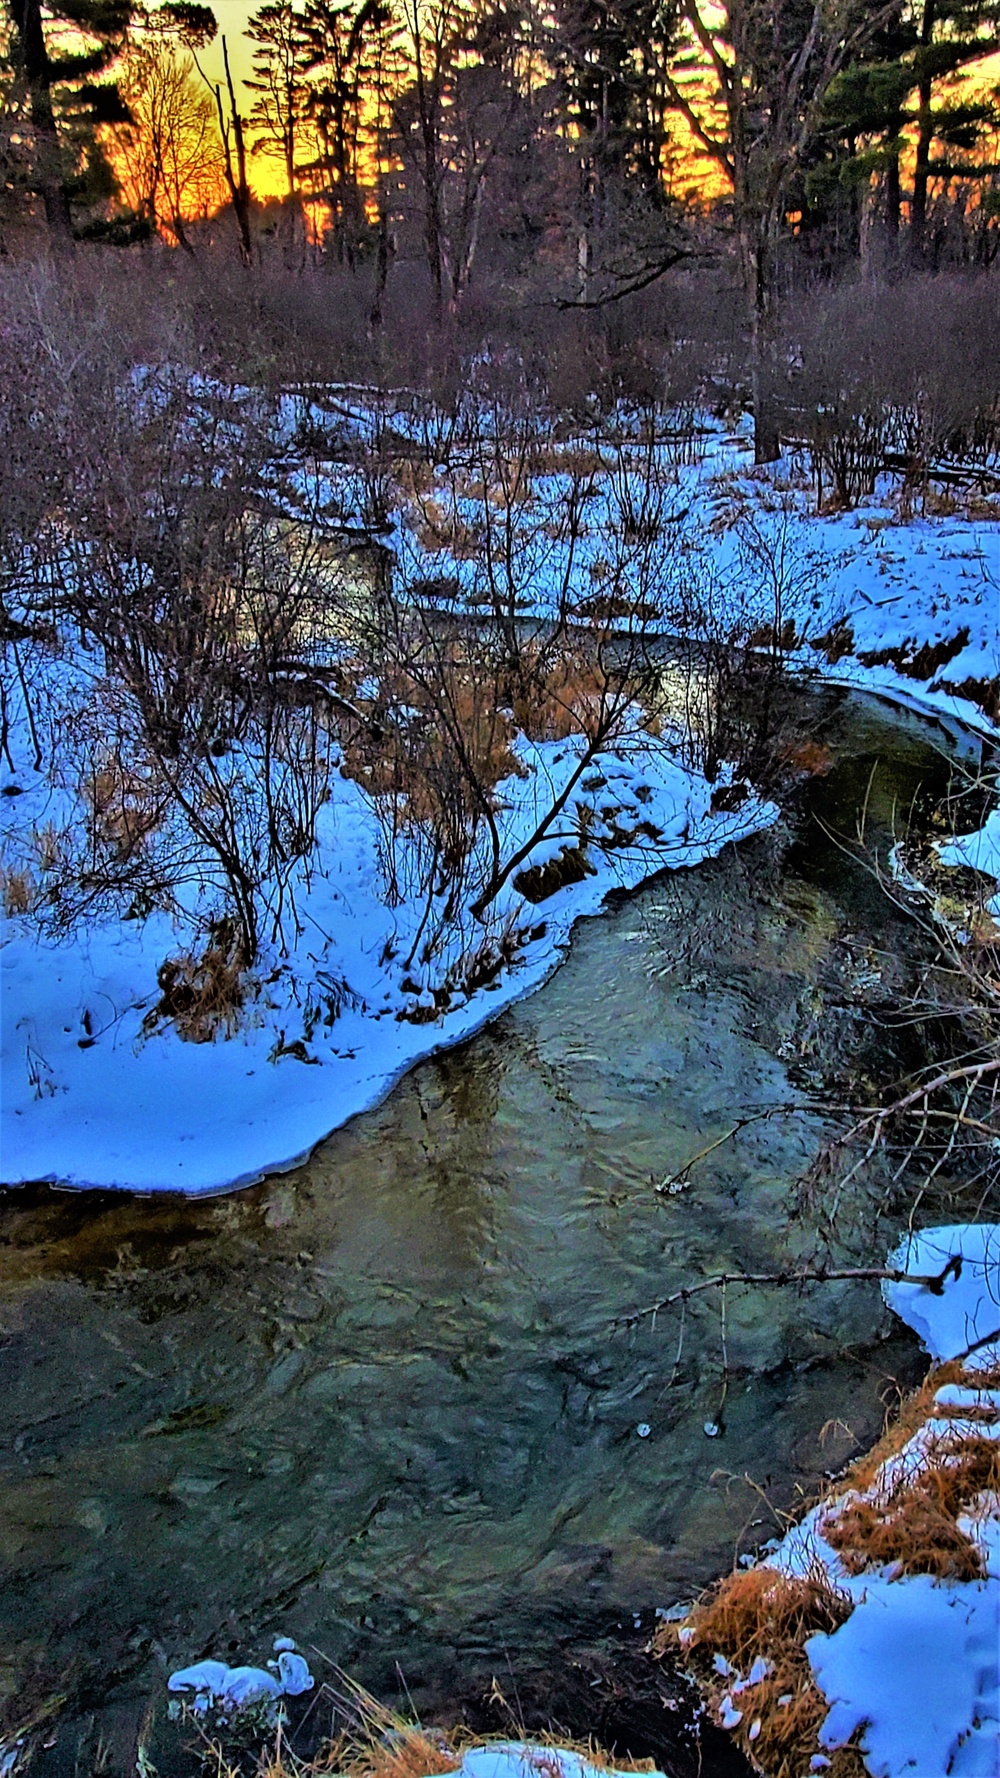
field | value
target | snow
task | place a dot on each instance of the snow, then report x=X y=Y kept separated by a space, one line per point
x=94 y=1098
x=968 y=1307
x=525 y=1759
x=914 y=1671
x=233 y=1688
x=914 y=1663
x=91 y=1098
x=980 y=851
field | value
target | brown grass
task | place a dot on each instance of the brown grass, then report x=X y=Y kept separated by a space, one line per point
x=917 y=662
x=382 y=1744
x=202 y=995
x=837 y=643
x=417 y=764
x=16 y=891
x=810 y=758
x=123 y=807
x=560 y=699
x=916 y=1527
x=913 y=1412
x=874 y=1520
x=566 y=459
x=763 y=1612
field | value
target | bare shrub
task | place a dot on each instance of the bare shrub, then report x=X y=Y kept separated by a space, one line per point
x=901 y=379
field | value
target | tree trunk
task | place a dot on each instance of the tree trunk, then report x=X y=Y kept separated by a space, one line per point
x=34 y=57
x=893 y=199
x=925 y=136
x=766 y=431
x=236 y=176
x=381 y=260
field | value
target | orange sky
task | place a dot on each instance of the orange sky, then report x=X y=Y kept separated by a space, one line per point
x=696 y=172
x=266 y=174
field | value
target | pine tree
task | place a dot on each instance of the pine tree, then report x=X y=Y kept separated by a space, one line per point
x=62 y=62
x=279 y=82
x=952 y=37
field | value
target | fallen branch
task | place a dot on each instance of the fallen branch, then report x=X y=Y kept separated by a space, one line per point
x=934 y=1282
x=673 y=1180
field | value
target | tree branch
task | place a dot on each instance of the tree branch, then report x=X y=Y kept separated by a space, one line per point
x=934 y=1282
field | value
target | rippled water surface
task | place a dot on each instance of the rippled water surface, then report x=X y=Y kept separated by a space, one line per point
x=379 y=1402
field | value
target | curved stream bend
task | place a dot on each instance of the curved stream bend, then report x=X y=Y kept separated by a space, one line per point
x=377 y=1403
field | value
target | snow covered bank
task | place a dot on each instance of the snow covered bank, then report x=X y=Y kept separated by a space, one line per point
x=94 y=1096
x=102 y=1091
x=524 y=1759
x=901 y=1568
x=900 y=601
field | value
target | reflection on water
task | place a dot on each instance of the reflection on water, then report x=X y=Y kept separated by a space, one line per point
x=378 y=1402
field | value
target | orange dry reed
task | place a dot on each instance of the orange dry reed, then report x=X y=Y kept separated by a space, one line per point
x=875 y=1520
x=916 y=1528
x=761 y=1612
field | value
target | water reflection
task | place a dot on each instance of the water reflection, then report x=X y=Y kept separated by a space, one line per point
x=377 y=1403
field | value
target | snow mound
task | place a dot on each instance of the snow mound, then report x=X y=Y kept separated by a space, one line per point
x=525 y=1759
x=233 y=1688
x=966 y=1314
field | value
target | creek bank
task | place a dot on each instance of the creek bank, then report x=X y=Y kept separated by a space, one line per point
x=869 y=1637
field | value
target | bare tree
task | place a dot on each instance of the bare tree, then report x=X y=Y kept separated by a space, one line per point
x=169 y=159
x=752 y=87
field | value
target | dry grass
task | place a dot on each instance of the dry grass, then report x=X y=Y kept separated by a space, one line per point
x=880 y=1512
x=913 y=1412
x=440 y=531
x=379 y=1743
x=559 y=698
x=203 y=995
x=17 y=891
x=123 y=807
x=761 y=1612
x=917 y=660
x=810 y=759
x=417 y=762
x=915 y=1525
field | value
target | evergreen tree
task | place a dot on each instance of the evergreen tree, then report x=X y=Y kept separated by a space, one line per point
x=952 y=36
x=61 y=62
x=279 y=82
x=904 y=97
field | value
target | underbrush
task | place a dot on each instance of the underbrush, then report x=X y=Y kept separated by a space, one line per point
x=377 y=1742
x=914 y=1526
x=763 y=1617
x=203 y=994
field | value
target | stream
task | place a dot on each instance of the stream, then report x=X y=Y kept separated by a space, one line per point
x=381 y=1403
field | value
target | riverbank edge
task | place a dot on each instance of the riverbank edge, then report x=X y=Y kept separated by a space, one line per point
x=957 y=716
x=907 y=1537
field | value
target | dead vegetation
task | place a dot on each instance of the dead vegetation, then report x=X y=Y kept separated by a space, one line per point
x=202 y=995
x=761 y=1615
x=896 y=1508
x=17 y=891
x=915 y=1528
x=377 y=1742
x=917 y=661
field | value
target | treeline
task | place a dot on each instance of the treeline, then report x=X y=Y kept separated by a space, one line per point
x=452 y=160
x=497 y=133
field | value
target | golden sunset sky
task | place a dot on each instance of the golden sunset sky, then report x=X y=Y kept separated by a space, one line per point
x=266 y=175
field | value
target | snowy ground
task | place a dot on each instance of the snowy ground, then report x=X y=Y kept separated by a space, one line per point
x=882 y=579
x=914 y=1671
x=94 y=1098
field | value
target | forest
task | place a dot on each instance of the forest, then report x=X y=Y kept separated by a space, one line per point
x=500 y=874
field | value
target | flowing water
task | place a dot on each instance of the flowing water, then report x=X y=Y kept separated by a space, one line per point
x=380 y=1403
